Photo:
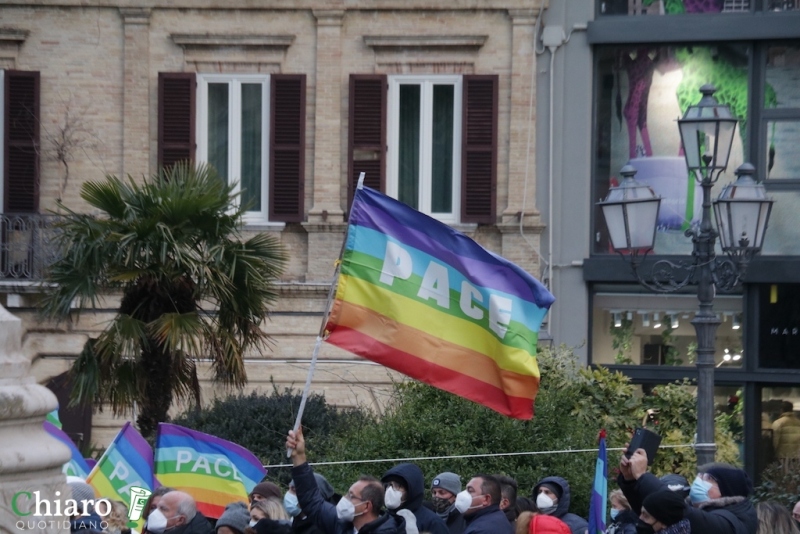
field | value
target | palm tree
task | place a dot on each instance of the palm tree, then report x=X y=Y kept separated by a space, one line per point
x=190 y=288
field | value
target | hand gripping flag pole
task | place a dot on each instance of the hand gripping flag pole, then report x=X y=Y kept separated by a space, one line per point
x=321 y=333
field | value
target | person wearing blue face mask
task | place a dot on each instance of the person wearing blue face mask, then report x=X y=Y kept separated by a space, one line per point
x=623 y=519
x=718 y=502
x=301 y=523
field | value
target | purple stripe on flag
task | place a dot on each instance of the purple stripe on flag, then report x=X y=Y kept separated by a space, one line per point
x=245 y=455
x=138 y=443
x=386 y=215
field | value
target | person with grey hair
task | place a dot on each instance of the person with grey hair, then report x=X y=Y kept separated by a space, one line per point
x=177 y=514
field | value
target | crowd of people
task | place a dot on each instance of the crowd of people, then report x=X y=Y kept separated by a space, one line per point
x=717 y=501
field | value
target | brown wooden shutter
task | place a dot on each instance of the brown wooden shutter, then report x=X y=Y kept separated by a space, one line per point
x=176 y=117
x=479 y=149
x=366 y=149
x=287 y=147
x=21 y=142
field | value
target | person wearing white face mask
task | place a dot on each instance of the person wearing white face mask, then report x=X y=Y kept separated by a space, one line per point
x=480 y=504
x=405 y=489
x=552 y=497
x=359 y=511
x=719 y=495
x=177 y=514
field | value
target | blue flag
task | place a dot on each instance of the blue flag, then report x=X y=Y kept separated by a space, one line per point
x=599 y=499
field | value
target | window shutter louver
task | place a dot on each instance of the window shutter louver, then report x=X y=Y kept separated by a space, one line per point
x=287 y=147
x=21 y=142
x=176 y=117
x=479 y=149
x=367 y=136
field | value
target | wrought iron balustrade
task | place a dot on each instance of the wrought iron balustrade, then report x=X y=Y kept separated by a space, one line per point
x=27 y=245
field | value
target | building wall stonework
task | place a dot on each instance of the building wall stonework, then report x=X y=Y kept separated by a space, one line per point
x=99 y=62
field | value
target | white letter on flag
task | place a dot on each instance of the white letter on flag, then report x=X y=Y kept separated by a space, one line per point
x=396 y=263
x=499 y=314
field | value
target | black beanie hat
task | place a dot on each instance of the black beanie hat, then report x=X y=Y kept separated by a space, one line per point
x=732 y=481
x=666 y=506
x=552 y=486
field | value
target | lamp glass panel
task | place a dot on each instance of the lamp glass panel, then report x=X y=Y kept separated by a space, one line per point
x=642 y=218
x=724 y=140
x=615 y=221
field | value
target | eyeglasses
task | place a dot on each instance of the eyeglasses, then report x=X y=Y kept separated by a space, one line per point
x=351 y=496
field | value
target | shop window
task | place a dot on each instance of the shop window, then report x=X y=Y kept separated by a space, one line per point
x=633 y=329
x=642 y=90
x=779 y=326
x=778 y=449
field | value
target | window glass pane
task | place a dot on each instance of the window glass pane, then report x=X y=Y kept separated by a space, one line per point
x=641 y=92
x=781 y=236
x=778 y=446
x=783 y=77
x=218 y=127
x=677 y=7
x=252 y=136
x=442 y=153
x=783 y=138
x=779 y=326
x=408 y=151
x=654 y=330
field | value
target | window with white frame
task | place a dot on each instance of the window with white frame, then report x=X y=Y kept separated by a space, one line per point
x=424 y=137
x=232 y=134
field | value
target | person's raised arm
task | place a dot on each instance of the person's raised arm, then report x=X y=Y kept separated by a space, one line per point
x=297 y=444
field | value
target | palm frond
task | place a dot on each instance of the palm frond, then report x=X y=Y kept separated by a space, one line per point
x=178 y=332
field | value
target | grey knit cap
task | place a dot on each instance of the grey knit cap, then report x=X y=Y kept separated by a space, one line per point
x=236 y=516
x=447 y=481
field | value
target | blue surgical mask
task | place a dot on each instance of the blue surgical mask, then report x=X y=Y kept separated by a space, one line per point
x=699 y=491
x=614 y=513
x=291 y=505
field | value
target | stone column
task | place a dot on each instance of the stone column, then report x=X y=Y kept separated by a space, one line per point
x=136 y=92
x=522 y=118
x=521 y=244
x=30 y=459
x=328 y=134
x=325 y=224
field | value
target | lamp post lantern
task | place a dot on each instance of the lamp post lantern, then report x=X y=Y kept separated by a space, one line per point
x=742 y=213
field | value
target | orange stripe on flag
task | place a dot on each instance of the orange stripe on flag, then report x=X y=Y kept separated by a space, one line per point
x=429 y=349
x=442 y=377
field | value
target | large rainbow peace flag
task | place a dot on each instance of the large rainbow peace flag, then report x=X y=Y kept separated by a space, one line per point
x=214 y=471
x=76 y=466
x=126 y=464
x=421 y=298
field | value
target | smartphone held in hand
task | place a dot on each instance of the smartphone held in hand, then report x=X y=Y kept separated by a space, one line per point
x=647 y=440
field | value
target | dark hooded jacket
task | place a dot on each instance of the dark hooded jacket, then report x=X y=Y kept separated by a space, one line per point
x=625 y=523
x=489 y=520
x=726 y=515
x=323 y=513
x=411 y=475
x=576 y=524
x=198 y=525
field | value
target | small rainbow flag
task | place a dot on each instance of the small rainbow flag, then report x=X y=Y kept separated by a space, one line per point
x=213 y=471
x=423 y=299
x=76 y=466
x=126 y=464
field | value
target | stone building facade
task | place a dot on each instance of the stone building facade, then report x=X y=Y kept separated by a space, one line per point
x=98 y=76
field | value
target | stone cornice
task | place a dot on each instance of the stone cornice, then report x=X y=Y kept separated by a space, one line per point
x=207 y=40
x=135 y=15
x=427 y=42
x=294 y=5
x=13 y=35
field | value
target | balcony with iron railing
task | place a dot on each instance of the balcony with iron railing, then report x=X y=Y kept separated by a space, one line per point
x=27 y=246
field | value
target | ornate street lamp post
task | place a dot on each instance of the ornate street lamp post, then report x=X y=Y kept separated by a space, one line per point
x=742 y=213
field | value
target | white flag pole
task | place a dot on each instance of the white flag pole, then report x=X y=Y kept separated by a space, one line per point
x=320 y=335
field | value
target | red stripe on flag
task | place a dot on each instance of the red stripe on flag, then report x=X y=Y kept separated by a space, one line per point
x=430 y=373
x=214 y=511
